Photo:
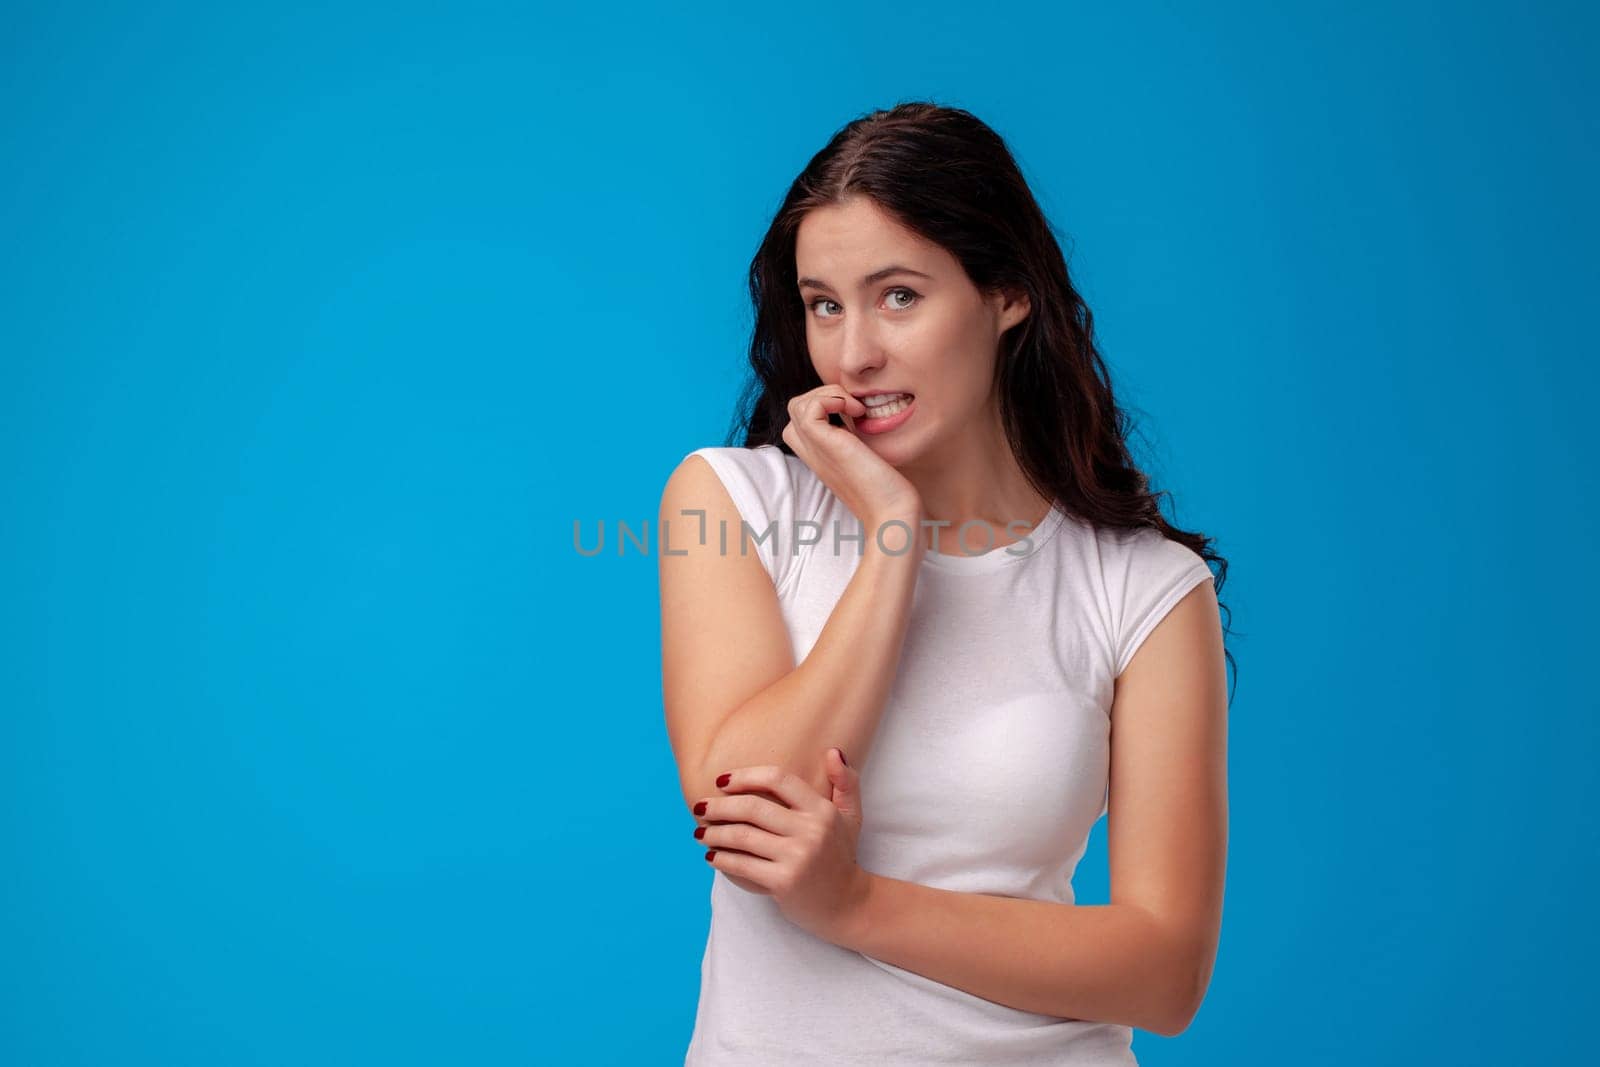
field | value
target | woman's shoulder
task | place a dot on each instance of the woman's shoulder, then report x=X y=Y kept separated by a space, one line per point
x=779 y=482
x=753 y=456
x=757 y=475
x=774 y=492
x=1143 y=573
x=1143 y=547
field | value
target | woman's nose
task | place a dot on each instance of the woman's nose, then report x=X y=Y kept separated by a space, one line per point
x=861 y=351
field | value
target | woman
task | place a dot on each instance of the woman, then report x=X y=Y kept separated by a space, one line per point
x=965 y=588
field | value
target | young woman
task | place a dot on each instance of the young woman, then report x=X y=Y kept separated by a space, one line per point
x=934 y=557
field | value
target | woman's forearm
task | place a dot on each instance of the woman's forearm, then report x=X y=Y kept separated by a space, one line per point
x=1105 y=962
x=835 y=696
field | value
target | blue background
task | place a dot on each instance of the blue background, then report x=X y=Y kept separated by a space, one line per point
x=322 y=744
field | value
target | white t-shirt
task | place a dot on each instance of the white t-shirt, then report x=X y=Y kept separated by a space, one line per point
x=988 y=768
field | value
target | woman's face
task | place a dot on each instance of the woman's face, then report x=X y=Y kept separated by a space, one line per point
x=923 y=329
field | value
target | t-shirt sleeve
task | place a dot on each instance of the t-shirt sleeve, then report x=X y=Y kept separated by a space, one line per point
x=759 y=482
x=1146 y=575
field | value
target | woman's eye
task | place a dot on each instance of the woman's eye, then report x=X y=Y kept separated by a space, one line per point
x=911 y=296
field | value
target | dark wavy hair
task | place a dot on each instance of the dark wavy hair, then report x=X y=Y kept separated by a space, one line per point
x=942 y=173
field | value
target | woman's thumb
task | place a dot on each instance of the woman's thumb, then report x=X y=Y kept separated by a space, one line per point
x=846 y=784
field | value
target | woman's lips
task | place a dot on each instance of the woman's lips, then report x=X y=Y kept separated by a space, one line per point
x=869 y=424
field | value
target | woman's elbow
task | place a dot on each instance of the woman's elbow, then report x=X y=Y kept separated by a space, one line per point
x=1184 y=1002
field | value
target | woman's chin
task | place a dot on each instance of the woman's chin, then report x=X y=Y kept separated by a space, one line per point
x=893 y=449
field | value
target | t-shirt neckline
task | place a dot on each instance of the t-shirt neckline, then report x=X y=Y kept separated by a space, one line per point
x=960 y=562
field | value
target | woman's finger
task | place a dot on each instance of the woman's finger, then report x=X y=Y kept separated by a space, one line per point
x=742 y=837
x=825 y=404
x=787 y=786
x=738 y=865
x=753 y=808
x=818 y=403
x=841 y=398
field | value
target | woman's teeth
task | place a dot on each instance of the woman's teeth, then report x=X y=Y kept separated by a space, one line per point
x=896 y=404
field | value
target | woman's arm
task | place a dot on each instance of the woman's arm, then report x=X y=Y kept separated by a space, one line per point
x=1145 y=959
x=733 y=694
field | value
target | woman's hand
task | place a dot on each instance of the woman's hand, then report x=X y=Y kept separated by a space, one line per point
x=867 y=484
x=798 y=848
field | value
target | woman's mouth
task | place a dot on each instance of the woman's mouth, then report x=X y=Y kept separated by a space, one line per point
x=883 y=417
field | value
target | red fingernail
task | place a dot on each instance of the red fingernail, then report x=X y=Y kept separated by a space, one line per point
x=700 y=808
x=713 y=852
x=723 y=779
x=699 y=832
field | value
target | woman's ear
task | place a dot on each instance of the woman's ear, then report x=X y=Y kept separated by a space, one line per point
x=1011 y=307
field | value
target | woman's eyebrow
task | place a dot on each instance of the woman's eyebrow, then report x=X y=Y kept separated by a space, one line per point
x=875 y=276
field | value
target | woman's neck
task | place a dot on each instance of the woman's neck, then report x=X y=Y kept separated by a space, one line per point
x=976 y=479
